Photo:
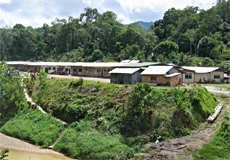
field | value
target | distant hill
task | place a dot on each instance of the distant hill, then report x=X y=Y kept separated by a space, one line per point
x=142 y=23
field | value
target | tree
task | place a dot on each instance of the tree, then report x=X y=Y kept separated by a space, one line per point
x=97 y=55
x=191 y=34
x=207 y=62
x=205 y=45
x=90 y=15
x=167 y=49
x=11 y=92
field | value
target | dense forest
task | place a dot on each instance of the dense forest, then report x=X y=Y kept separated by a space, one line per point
x=191 y=36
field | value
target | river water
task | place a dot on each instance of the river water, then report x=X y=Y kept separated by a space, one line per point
x=20 y=155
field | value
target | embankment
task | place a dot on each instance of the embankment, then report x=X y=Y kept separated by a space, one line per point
x=109 y=121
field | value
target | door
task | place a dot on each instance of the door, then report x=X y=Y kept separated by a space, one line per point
x=46 y=70
x=102 y=73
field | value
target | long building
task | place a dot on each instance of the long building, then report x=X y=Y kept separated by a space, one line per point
x=147 y=72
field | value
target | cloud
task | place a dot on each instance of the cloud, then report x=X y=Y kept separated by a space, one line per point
x=36 y=13
x=5 y=1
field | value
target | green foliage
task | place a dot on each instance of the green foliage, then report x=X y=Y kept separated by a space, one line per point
x=207 y=62
x=43 y=73
x=95 y=36
x=146 y=106
x=72 y=100
x=140 y=113
x=203 y=101
x=222 y=136
x=11 y=93
x=3 y=154
x=205 y=45
x=80 y=140
x=219 y=146
x=76 y=84
x=33 y=126
x=165 y=51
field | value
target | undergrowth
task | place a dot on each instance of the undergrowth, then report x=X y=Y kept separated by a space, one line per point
x=33 y=126
x=137 y=114
x=219 y=146
x=82 y=141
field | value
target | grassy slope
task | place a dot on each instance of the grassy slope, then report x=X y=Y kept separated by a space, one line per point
x=33 y=126
x=138 y=113
x=219 y=146
x=82 y=141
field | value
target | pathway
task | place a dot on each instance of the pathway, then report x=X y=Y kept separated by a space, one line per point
x=179 y=148
x=29 y=100
x=16 y=144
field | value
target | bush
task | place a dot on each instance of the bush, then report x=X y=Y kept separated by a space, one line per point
x=219 y=146
x=33 y=126
x=81 y=141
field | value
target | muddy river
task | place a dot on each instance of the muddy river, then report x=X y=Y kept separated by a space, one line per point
x=20 y=155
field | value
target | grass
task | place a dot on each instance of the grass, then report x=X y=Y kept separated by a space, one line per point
x=81 y=141
x=71 y=102
x=219 y=146
x=128 y=115
x=33 y=126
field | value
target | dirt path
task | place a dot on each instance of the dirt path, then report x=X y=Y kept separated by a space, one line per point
x=29 y=99
x=105 y=80
x=184 y=147
x=19 y=145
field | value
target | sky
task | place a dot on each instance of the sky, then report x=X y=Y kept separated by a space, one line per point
x=37 y=12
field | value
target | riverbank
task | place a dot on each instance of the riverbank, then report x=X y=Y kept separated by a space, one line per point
x=19 y=145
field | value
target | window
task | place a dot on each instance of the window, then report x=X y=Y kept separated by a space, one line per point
x=153 y=78
x=90 y=70
x=67 y=69
x=188 y=75
x=98 y=70
x=80 y=70
x=54 y=68
x=216 y=76
x=74 y=70
x=49 y=68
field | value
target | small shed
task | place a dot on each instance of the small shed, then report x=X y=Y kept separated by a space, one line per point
x=125 y=75
x=161 y=75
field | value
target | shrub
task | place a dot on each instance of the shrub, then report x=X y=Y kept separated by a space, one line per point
x=219 y=146
x=80 y=140
x=33 y=126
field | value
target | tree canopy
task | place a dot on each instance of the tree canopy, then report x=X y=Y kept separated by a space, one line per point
x=192 y=33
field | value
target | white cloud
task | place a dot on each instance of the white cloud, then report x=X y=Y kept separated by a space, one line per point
x=5 y=1
x=36 y=13
x=87 y=1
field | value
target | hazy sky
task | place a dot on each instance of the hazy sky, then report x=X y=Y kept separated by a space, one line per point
x=37 y=12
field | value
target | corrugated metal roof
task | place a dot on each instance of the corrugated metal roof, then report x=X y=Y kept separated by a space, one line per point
x=66 y=64
x=134 y=61
x=18 y=62
x=69 y=64
x=201 y=69
x=125 y=61
x=156 y=70
x=103 y=64
x=124 y=70
x=172 y=75
x=144 y=64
